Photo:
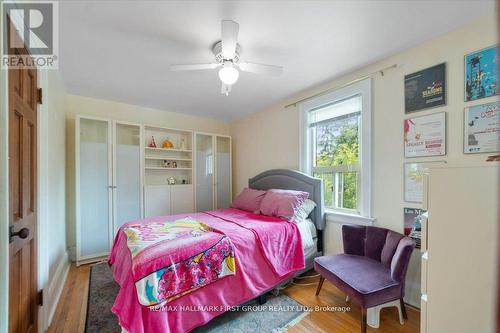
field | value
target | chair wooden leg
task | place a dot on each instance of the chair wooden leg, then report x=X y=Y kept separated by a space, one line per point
x=363 y=320
x=403 y=309
x=321 y=280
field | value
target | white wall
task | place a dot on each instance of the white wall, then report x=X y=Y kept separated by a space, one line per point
x=76 y=105
x=270 y=138
x=56 y=245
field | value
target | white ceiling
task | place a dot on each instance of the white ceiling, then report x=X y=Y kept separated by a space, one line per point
x=122 y=50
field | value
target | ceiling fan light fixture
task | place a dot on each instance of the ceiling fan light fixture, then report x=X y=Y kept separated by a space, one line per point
x=228 y=74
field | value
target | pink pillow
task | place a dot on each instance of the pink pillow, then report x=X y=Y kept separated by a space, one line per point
x=282 y=203
x=249 y=200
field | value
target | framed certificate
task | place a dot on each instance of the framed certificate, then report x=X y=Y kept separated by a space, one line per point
x=414 y=180
x=482 y=128
x=425 y=135
x=425 y=89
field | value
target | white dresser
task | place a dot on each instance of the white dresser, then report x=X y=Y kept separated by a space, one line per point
x=459 y=245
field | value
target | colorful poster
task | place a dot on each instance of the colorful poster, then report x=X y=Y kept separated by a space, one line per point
x=425 y=89
x=481 y=74
x=425 y=136
x=413 y=223
x=482 y=128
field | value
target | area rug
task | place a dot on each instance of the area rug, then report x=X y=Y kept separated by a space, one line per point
x=279 y=313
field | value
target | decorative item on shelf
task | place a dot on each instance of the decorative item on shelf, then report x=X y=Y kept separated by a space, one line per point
x=183 y=144
x=152 y=144
x=167 y=163
x=184 y=181
x=171 y=181
x=174 y=164
x=167 y=144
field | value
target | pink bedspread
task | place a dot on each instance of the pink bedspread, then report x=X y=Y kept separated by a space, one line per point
x=268 y=250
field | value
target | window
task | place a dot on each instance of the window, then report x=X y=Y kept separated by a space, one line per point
x=335 y=135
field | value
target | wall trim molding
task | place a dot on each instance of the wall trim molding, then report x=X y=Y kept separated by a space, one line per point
x=56 y=286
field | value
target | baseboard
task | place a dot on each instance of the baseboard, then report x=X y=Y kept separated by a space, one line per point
x=56 y=286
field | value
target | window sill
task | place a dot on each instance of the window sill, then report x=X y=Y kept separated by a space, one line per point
x=345 y=218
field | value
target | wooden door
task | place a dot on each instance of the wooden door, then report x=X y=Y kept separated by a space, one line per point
x=23 y=303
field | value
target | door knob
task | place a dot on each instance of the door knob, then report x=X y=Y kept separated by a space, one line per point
x=23 y=233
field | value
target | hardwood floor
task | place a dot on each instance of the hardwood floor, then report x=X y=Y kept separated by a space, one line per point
x=343 y=322
x=71 y=310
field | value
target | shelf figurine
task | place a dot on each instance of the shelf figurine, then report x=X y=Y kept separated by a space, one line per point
x=152 y=144
x=171 y=181
x=167 y=144
x=183 y=144
x=174 y=164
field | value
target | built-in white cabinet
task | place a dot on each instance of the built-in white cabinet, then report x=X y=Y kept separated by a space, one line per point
x=459 y=244
x=213 y=171
x=168 y=199
x=108 y=182
x=126 y=171
x=168 y=171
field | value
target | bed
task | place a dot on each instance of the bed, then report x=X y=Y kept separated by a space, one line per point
x=259 y=253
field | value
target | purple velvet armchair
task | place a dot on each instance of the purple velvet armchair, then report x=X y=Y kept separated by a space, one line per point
x=372 y=270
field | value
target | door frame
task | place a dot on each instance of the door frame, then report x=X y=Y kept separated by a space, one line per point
x=42 y=201
x=42 y=274
x=4 y=202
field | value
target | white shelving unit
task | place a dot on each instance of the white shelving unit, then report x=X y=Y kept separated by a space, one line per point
x=179 y=157
x=161 y=165
x=119 y=178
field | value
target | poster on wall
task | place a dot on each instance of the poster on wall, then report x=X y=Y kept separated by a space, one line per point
x=481 y=74
x=425 y=89
x=482 y=128
x=425 y=136
x=414 y=180
x=413 y=223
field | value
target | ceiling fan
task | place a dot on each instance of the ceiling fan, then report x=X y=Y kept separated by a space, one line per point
x=227 y=57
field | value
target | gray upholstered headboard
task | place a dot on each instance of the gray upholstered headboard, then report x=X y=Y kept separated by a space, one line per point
x=287 y=179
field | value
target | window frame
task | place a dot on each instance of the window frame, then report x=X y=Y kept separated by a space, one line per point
x=306 y=151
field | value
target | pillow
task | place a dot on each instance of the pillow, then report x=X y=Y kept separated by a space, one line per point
x=249 y=200
x=303 y=211
x=282 y=203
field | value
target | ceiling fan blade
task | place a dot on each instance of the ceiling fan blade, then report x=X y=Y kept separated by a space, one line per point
x=229 y=33
x=261 y=68
x=193 y=67
x=225 y=89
